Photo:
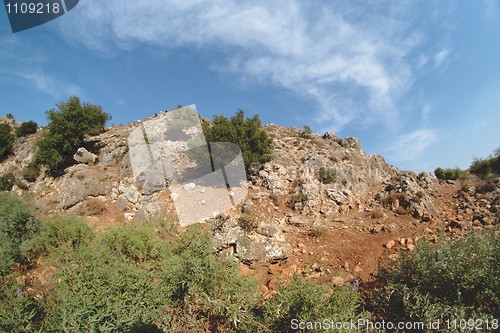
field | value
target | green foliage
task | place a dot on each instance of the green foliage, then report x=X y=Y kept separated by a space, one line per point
x=19 y=311
x=31 y=172
x=18 y=226
x=451 y=174
x=307 y=301
x=483 y=167
x=66 y=130
x=6 y=141
x=137 y=243
x=327 y=175
x=26 y=128
x=7 y=181
x=451 y=280
x=247 y=133
x=61 y=233
x=9 y=116
x=208 y=290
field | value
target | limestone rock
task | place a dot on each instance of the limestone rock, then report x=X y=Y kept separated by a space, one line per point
x=84 y=156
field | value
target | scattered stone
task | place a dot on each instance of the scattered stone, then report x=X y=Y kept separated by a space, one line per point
x=263 y=289
x=295 y=221
x=390 y=244
x=338 y=280
x=247 y=208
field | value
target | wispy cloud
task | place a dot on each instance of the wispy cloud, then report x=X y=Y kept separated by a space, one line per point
x=441 y=56
x=351 y=58
x=23 y=64
x=410 y=147
x=51 y=85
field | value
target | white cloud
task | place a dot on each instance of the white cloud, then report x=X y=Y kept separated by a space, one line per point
x=441 y=56
x=410 y=147
x=51 y=85
x=352 y=59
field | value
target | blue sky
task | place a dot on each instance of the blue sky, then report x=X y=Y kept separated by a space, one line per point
x=416 y=81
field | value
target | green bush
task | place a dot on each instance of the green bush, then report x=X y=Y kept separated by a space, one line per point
x=137 y=242
x=19 y=311
x=26 y=128
x=247 y=133
x=18 y=226
x=31 y=172
x=61 y=233
x=7 y=181
x=208 y=290
x=307 y=301
x=96 y=291
x=9 y=116
x=451 y=174
x=66 y=130
x=6 y=141
x=451 y=280
x=327 y=175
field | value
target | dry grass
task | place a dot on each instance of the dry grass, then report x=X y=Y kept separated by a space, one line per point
x=377 y=213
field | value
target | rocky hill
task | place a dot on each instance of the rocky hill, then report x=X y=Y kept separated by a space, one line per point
x=321 y=206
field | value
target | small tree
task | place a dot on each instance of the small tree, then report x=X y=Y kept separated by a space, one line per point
x=68 y=125
x=6 y=141
x=9 y=116
x=26 y=128
x=247 y=133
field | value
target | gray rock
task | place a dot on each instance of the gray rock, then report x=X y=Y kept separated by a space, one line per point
x=295 y=221
x=84 y=156
x=266 y=243
x=80 y=183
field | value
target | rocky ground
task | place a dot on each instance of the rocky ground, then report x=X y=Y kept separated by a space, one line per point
x=321 y=208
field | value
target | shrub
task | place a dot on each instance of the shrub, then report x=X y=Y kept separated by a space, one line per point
x=247 y=133
x=484 y=166
x=247 y=222
x=297 y=198
x=31 y=172
x=137 y=242
x=208 y=290
x=17 y=227
x=61 y=233
x=96 y=291
x=66 y=130
x=6 y=141
x=377 y=213
x=19 y=311
x=9 y=116
x=451 y=174
x=307 y=301
x=451 y=280
x=26 y=128
x=327 y=175
x=7 y=181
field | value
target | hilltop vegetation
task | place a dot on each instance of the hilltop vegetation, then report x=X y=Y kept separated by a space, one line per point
x=482 y=167
x=68 y=125
x=247 y=133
